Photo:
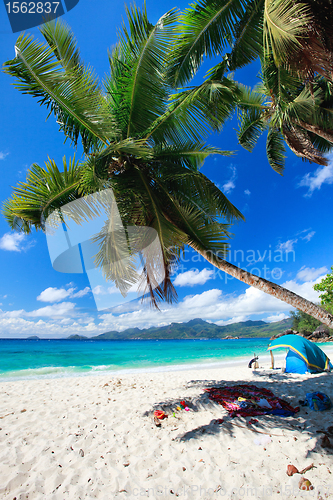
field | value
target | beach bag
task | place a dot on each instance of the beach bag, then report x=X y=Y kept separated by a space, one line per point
x=318 y=401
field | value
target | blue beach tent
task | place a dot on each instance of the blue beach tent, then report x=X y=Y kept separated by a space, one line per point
x=303 y=356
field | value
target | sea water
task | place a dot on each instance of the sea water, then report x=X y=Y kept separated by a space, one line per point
x=25 y=359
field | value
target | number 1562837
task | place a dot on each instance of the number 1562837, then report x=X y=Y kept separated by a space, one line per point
x=32 y=7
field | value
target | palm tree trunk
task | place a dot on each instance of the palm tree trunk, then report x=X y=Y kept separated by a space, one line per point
x=268 y=287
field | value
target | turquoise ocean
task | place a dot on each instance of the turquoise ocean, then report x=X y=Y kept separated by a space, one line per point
x=26 y=359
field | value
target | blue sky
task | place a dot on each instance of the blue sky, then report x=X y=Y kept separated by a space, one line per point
x=286 y=237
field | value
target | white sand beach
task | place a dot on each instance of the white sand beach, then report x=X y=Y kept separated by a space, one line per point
x=94 y=437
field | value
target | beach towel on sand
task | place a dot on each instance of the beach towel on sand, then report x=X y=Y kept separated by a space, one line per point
x=249 y=400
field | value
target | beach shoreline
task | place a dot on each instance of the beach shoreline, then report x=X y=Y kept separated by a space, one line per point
x=161 y=363
x=94 y=437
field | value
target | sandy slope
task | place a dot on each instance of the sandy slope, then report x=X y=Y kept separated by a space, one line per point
x=94 y=437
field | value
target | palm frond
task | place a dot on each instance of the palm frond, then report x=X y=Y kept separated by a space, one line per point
x=275 y=150
x=193 y=113
x=70 y=92
x=137 y=88
x=207 y=196
x=63 y=44
x=248 y=35
x=194 y=187
x=190 y=155
x=169 y=236
x=205 y=29
x=147 y=92
x=203 y=236
x=111 y=252
x=277 y=82
x=254 y=114
x=45 y=190
x=321 y=144
x=251 y=127
x=93 y=177
x=202 y=231
x=303 y=106
x=285 y=22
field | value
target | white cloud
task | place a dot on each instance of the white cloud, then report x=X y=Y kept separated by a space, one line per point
x=211 y=305
x=12 y=242
x=323 y=175
x=81 y=293
x=287 y=246
x=51 y=294
x=113 y=289
x=98 y=290
x=308 y=236
x=54 y=294
x=234 y=319
x=199 y=301
x=3 y=155
x=14 y=314
x=310 y=274
x=63 y=319
x=62 y=309
x=276 y=317
x=230 y=184
x=247 y=192
x=194 y=277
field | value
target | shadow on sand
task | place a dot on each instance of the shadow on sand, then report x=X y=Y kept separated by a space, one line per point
x=283 y=385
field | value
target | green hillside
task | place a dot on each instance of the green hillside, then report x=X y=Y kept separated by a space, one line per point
x=199 y=329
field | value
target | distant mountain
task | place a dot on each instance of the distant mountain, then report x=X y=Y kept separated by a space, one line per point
x=33 y=337
x=130 y=333
x=198 y=329
x=77 y=337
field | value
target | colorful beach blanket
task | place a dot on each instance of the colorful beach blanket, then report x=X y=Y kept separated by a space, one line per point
x=250 y=400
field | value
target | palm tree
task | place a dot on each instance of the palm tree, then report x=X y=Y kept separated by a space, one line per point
x=291 y=111
x=314 y=52
x=247 y=28
x=298 y=33
x=139 y=138
x=294 y=41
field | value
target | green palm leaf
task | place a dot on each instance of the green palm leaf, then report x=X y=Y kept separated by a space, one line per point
x=285 y=22
x=277 y=81
x=114 y=256
x=70 y=91
x=254 y=114
x=196 y=187
x=45 y=190
x=137 y=65
x=304 y=106
x=205 y=30
x=251 y=127
x=275 y=150
x=248 y=35
x=193 y=113
x=202 y=231
x=189 y=155
x=63 y=44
